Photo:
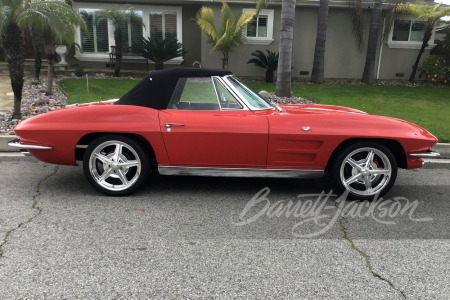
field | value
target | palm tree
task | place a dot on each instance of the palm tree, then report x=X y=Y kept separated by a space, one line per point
x=119 y=19
x=37 y=40
x=317 y=74
x=268 y=62
x=228 y=36
x=429 y=14
x=283 y=87
x=15 y=15
x=374 y=31
x=158 y=50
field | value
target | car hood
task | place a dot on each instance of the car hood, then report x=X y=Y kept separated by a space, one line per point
x=343 y=119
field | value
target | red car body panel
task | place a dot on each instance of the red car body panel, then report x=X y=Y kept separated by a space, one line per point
x=216 y=138
x=253 y=139
x=63 y=129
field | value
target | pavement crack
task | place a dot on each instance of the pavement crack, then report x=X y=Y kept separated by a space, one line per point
x=367 y=259
x=35 y=207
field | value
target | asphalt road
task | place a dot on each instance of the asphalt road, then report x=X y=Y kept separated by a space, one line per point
x=191 y=237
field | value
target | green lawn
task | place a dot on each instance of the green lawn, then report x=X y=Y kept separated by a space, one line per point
x=99 y=89
x=428 y=107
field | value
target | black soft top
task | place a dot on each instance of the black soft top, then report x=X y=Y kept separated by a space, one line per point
x=156 y=89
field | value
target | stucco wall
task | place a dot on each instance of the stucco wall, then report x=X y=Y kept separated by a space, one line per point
x=191 y=35
x=343 y=58
x=399 y=61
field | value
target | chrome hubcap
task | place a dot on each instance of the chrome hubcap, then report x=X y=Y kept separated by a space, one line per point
x=365 y=171
x=115 y=165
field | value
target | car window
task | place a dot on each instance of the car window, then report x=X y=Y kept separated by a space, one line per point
x=202 y=93
x=226 y=100
x=253 y=99
x=194 y=94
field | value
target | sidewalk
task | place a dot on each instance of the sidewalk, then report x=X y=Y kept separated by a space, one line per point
x=6 y=94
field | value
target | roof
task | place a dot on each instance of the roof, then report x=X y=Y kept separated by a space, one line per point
x=156 y=89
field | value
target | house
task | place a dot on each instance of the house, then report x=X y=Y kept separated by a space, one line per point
x=344 y=59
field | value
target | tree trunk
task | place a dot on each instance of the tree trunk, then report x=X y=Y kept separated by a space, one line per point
x=374 y=31
x=225 y=61
x=37 y=64
x=317 y=74
x=38 y=43
x=283 y=88
x=426 y=39
x=50 y=51
x=50 y=74
x=269 y=76
x=119 y=51
x=159 y=65
x=14 y=46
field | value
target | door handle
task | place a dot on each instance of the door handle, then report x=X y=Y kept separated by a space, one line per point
x=168 y=125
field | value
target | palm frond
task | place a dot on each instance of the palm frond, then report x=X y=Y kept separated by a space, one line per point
x=226 y=15
x=357 y=21
x=56 y=15
x=261 y=5
x=269 y=61
x=205 y=20
x=244 y=19
x=158 y=50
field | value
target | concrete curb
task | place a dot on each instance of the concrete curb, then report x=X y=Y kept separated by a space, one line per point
x=442 y=148
x=4 y=140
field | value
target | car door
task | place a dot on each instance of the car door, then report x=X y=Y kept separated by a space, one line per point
x=206 y=126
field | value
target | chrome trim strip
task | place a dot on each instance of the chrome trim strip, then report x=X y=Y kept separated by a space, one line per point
x=239 y=172
x=233 y=92
x=359 y=112
x=16 y=144
x=425 y=154
x=230 y=87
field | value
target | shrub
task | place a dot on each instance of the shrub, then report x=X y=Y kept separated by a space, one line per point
x=268 y=62
x=158 y=50
x=435 y=69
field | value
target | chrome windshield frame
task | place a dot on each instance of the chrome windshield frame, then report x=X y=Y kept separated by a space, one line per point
x=226 y=81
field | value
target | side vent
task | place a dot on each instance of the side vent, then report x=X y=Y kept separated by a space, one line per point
x=304 y=72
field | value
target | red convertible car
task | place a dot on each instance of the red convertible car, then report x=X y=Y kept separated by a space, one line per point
x=186 y=121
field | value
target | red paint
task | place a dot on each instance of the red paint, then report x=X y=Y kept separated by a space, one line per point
x=244 y=138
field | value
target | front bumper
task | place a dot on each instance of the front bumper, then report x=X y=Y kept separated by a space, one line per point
x=16 y=144
x=428 y=154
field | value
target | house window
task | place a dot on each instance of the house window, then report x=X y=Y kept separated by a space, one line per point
x=95 y=40
x=257 y=27
x=408 y=31
x=158 y=21
x=163 y=25
x=131 y=33
x=260 y=29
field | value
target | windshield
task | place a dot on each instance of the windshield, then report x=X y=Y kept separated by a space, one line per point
x=253 y=99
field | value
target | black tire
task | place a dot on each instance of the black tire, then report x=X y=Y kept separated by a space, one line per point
x=363 y=176
x=116 y=165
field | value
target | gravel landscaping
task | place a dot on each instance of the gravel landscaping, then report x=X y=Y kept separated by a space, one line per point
x=34 y=102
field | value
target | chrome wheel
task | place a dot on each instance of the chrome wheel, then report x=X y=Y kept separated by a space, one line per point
x=115 y=165
x=365 y=171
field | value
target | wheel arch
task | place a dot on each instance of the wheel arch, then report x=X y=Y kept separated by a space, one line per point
x=87 y=139
x=393 y=145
